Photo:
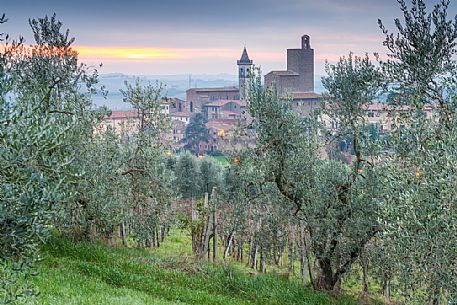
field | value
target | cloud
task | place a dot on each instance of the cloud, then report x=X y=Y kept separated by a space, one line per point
x=93 y=52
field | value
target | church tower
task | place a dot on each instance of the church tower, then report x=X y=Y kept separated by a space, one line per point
x=244 y=73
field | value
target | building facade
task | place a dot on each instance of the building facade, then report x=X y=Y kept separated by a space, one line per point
x=224 y=109
x=197 y=98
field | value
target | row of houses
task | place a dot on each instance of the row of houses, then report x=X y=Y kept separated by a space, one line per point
x=226 y=116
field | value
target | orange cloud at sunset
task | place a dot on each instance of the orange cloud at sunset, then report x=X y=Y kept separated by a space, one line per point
x=191 y=59
x=124 y=53
x=147 y=60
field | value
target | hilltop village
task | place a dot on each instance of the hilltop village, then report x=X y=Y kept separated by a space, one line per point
x=224 y=108
x=263 y=189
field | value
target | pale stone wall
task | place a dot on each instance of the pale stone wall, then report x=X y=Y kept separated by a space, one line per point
x=200 y=97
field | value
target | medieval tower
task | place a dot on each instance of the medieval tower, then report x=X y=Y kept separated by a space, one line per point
x=299 y=76
x=244 y=72
x=301 y=61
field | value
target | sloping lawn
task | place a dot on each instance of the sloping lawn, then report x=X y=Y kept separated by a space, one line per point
x=84 y=273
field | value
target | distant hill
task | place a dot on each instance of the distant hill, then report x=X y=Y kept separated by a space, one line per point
x=175 y=85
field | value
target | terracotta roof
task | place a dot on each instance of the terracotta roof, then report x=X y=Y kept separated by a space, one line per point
x=220 y=103
x=305 y=95
x=384 y=107
x=174 y=99
x=222 y=124
x=122 y=114
x=230 y=112
x=178 y=124
x=224 y=89
x=170 y=100
x=182 y=114
x=284 y=73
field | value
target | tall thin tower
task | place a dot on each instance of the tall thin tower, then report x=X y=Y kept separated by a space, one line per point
x=244 y=74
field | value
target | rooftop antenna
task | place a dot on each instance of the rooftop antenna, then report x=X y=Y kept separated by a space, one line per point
x=190 y=81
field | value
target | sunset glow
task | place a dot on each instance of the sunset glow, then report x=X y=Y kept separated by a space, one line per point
x=129 y=53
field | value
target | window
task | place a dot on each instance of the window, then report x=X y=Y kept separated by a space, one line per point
x=370 y=114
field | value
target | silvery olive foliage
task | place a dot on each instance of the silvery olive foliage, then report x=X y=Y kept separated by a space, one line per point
x=396 y=195
x=419 y=179
x=44 y=102
x=335 y=201
x=61 y=167
x=148 y=178
x=385 y=202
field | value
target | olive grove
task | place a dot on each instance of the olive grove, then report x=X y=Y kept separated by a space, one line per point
x=327 y=199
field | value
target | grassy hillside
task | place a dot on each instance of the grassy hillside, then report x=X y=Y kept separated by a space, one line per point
x=83 y=273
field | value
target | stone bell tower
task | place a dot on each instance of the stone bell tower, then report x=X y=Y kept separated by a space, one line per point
x=244 y=73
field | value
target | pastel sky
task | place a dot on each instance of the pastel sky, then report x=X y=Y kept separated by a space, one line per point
x=207 y=36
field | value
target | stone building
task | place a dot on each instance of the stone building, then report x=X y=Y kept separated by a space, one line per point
x=225 y=136
x=183 y=116
x=384 y=118
x=122 y=120
x=244 y=74
x=177 y=133
x=387 y=118
x=224 y=109
x=198 y=97
x=305 y=103
x=177 y=105
x=299 y=76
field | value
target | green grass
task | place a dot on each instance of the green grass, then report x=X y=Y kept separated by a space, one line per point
x=223 y=160
x=84 y=273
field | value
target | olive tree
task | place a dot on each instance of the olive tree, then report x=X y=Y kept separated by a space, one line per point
x=149 y=179
x=336 y=201
x=419 y=204
x=44 y=101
